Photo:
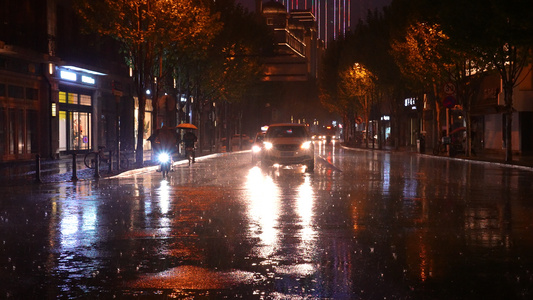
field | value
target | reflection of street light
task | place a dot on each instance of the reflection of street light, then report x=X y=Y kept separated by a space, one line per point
x=305 y=203
x=263 y=209
x=164 y=206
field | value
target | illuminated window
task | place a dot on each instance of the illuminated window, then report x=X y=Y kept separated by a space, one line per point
x=85 y=100
x=62 y=97
x=72 y=98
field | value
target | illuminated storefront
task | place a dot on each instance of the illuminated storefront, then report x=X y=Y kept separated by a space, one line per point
x=75 y=111
x=76 y=102
x=147 y=123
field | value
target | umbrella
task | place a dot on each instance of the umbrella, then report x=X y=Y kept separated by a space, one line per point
x=186 y=126
x=458 y=129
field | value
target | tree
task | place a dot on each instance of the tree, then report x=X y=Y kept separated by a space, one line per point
x=148 y=31
x=420 y=58
x=329 y=85
x=231 y=65
x=500 y=32
x=358 y=86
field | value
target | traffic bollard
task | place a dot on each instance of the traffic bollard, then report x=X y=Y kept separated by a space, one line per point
x=38 y=168
x=74 y=168
x=97 y=166
x=110 y=161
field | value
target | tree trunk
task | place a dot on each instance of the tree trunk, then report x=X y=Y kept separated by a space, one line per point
x=139 y=155
x=508 y=115
x=436 y=103
x=468 y=143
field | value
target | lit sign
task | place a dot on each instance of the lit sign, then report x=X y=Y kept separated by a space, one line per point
x=385 y=118
x=87 y=79
x=54 y=109
x=68 y=75
x=410 y=102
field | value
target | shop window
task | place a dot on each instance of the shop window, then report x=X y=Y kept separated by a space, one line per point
x=72 y=98
x=62 y=97
x=62 y=131
x=74 y=121
x=79 y=130
x=15 y=91
x=31 y=94
x=85 y=100
x=32 y=131
x=20 y=131
x=3 y=132
x=147 y=123
x=2 y=90
x=11 y=133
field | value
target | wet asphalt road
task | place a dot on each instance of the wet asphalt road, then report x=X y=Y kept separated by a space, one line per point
x=363 y=225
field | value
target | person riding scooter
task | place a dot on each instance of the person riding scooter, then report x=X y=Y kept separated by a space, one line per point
x=164 y=141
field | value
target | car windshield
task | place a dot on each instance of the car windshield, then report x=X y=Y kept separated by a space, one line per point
x=286 y=131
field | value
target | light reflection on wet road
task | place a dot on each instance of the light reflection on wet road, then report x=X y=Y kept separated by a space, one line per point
x=363 y=225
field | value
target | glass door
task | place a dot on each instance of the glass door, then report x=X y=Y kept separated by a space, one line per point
x=80 y=130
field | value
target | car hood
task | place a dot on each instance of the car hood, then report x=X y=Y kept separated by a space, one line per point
x=287 y=140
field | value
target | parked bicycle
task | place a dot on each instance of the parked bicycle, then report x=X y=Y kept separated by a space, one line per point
x=446 y=145
x=440 y=148
x=104 y=160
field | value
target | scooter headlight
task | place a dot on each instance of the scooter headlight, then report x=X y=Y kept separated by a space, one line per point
x=164 y=157
x=256 y=149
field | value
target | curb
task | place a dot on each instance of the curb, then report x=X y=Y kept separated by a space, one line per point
x=176 y=163
x=471 y=160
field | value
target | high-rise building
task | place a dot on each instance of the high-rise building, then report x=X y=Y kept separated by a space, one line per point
x=333 y=17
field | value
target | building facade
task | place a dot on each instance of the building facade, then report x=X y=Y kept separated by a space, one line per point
x=61 y=91
x=290 y=75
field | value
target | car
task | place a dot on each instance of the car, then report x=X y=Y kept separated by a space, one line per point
x=288 y=144
x=257 y=146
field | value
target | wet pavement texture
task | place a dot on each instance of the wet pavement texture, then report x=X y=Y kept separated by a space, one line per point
x=363 y=225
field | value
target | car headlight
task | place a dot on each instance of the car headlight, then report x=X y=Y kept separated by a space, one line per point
x=306 y=145
x=164 y=158
x=267 y=145
x=256 y=149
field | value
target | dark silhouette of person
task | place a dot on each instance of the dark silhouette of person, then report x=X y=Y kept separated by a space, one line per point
x=189 y=138
x=164 y=139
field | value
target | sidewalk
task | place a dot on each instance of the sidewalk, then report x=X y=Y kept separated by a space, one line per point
x=487 y=156
x=52 y=170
